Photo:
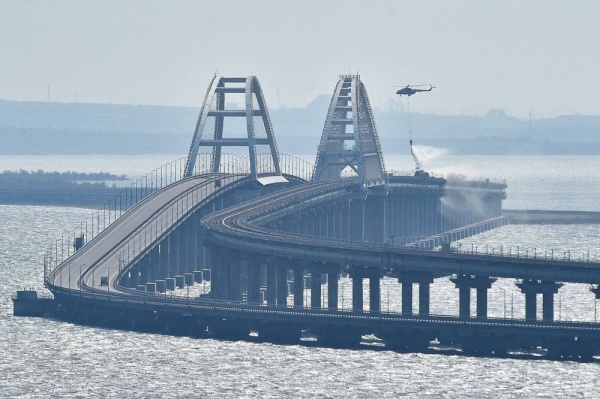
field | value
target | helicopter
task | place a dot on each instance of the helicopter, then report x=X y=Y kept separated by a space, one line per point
x=409 y=90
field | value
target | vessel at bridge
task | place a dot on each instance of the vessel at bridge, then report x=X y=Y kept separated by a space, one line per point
x=255 y=246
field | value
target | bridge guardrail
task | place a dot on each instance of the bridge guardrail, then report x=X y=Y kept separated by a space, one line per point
x=63 y=248
x=156 y=299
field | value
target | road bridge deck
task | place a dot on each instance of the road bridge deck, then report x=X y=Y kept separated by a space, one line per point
x=138 y=229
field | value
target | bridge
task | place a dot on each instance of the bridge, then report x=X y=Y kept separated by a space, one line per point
x=259 y=238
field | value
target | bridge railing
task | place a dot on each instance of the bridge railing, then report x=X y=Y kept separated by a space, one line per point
x=218 y=305
x=526 y=252
x=64 y=247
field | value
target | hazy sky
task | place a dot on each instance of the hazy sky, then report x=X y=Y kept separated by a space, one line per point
x=538 y=55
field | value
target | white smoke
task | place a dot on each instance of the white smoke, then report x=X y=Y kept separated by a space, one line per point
x=426 y=155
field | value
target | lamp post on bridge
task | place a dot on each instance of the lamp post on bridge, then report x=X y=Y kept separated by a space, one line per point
x=504 y=293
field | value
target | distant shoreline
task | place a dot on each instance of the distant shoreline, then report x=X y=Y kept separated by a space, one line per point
x=69 y=129
x=59 y=188
x=77 y=199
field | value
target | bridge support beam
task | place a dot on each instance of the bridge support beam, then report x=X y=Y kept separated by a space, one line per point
x=282 y=288
x=464 y=283
x=253 y=281
x=190 y=245
x=357 y=274
x=533 y=287
x=332 y=289
x=374 y=219
x=271 y=284
x=424 y=298
x=375 y=294
x=315 y=287
x=357 y=293
x=162 y=269
x=408 y=278
x=234 y=268
x=356 y=215
x=299 y=286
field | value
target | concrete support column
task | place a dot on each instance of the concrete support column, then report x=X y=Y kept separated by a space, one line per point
x=374 y=293
x=464 y=301
x=356 y=214
x=271 y=284
x=344 y=218
x=254 y=282
x=172 y=240
x=330 y=221
x=216 y=274
x=299 y=286
x=235 y=279
x=407 y=294
x=180 y=249
x=190 y=246
x=533 y=287
x=530 y=305
x=332 y=290
x=224 y=276
x=162 y=270
x=464 y=283
x=315 y=288
x=424 y=299
x=408 y=278
x=282 y=289
x=482 y=298
x=357 y=293
x=548 y=306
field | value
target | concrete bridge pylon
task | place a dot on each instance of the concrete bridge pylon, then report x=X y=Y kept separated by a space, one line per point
x=219 y=117
x=350 y=141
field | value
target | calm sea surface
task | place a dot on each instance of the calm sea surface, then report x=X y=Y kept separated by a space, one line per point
x=45 y=358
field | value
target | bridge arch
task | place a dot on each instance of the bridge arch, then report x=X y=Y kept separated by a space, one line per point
x=258 y=136
x=349 y=138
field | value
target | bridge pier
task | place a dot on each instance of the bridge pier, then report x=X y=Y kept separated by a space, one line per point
x=181 y=245
x=356 y=210
x=533 y=287
x=190 y=245
x=299 y=285
x=374 y=294
x=173 y=267
x=374 y=218
x=357 y=274
x=464 y=283
x=253 y=270
x=407 y=278
x=271 y=283
x=282 y=288
x=173 y=240
x=315 y=286
x=357 y=293
x=218 y=275
x=332 y=289
x=162 y=270
x=235 y=271
x=151 y=269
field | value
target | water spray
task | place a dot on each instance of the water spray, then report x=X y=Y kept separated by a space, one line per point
x=408 y=91
x=418 y=164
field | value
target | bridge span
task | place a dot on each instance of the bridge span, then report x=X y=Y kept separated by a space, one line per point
x=246 y=257
x=263 y=237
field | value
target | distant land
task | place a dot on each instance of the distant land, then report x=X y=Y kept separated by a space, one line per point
x=54 y=188
x=28 y=128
